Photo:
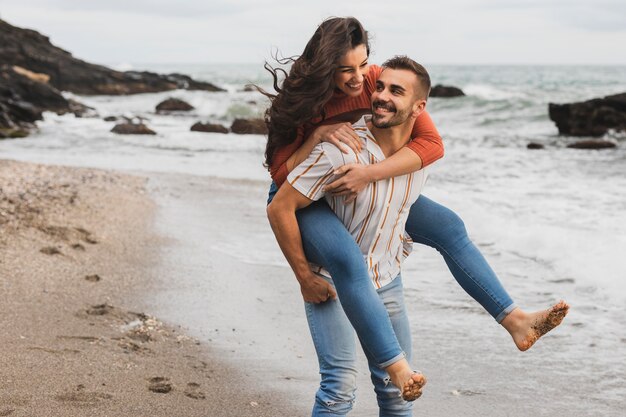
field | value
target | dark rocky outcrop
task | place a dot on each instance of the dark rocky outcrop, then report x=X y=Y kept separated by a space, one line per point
x=22 y=101
x=173 y=104
x=33 y=72
x=132 y=129
x=446 y=91
x=209 y=128
x=590 y=118
x=34 y=52
x=249 y=126
x=592 y=144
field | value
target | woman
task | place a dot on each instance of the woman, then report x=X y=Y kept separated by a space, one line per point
x=327 y=88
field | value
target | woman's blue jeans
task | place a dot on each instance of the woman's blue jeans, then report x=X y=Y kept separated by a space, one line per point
x=327 y=242
x=335 y=344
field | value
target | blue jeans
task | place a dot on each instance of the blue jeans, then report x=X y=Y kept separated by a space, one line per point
x=335 y=343
x=327 y=242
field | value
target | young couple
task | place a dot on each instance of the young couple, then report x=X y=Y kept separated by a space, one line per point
x=345 y=207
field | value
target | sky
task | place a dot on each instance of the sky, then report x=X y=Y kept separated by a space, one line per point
x=115 y=32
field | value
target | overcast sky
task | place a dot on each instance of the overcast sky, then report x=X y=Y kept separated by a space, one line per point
x=432 y=32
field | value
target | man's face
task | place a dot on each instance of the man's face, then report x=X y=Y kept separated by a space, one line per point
x=395 y=98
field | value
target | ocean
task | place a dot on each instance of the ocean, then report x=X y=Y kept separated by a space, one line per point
x=552 y=222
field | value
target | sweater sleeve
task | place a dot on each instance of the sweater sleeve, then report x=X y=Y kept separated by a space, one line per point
x=278 y=169
x=425 y=140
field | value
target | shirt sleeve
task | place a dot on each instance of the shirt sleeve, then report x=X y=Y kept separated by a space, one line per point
x=425 y=140
x=310 y=177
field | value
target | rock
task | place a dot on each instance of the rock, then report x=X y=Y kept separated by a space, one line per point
x=110 y=119
x=132 y=129
x=534 y=145
x=590 y=118
x=249 y=126
x=446 y=91
x=173 y=104
x=33 y=52
x=249 y=87
x=13 y=133
x=81 y=110
x=209 y=127
x=185 y=82
x=22 y=101
x=592 y=144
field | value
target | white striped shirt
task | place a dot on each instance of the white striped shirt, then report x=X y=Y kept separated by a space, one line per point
x=377 y=217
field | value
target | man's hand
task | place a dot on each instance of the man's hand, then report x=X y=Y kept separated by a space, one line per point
x=353 y=178
x=342 y=135
x=316 y=289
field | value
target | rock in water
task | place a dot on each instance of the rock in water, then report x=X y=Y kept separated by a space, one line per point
x=209 y=127
x=592 y=144
x=590 y=118
x=173 y=104
x=446 y=91
x=534 y=145
x=132 y=129
x=249 y=126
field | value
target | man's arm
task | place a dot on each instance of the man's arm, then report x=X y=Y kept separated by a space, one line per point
x=281 y=213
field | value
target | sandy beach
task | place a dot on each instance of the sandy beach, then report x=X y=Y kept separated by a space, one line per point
x=164 y=294
x=76 y=246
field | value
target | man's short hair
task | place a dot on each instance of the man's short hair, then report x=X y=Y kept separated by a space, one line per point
x=405 y=63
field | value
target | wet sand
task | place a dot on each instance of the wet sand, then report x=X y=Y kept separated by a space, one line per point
x=77 y=250
x=242 y=300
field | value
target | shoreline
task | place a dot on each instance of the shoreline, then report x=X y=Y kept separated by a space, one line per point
x=77 y=246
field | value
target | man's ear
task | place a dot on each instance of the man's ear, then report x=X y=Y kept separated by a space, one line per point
x=418 y=107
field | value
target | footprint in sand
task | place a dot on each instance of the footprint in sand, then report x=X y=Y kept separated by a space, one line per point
x=50 y=250
x=93 y=278
x=83 y=398
x=99 y=310
x=159 y=385
x=193 y=391
x=86 y=235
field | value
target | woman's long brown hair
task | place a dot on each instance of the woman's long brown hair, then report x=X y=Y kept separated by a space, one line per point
x=310 y=83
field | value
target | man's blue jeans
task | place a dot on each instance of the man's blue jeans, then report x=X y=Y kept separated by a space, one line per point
x=326 y=242
x=335 y=343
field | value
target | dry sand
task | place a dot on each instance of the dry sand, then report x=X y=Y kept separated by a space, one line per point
x=75 y=246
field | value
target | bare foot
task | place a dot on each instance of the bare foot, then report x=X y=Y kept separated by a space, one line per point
x=527 y=328
x=412 y=389
x=409 y=382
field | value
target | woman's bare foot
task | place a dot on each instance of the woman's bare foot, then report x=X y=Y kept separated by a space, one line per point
x=409 y=382
x=527 y=328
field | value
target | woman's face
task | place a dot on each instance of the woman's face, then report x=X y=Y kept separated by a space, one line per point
x=349 y=76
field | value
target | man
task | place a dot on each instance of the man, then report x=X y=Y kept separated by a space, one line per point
x=376 y=220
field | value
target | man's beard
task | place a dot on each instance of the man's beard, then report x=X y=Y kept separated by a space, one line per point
x=396 y=119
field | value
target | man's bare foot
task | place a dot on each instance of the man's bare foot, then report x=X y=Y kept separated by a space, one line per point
x=527 y=328
x=412 y=388
x=409 y=382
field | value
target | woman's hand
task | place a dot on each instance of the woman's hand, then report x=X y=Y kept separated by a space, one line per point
x=342 y=135
x=353 y=178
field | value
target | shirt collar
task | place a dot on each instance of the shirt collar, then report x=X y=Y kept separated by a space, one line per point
x=370 y=142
